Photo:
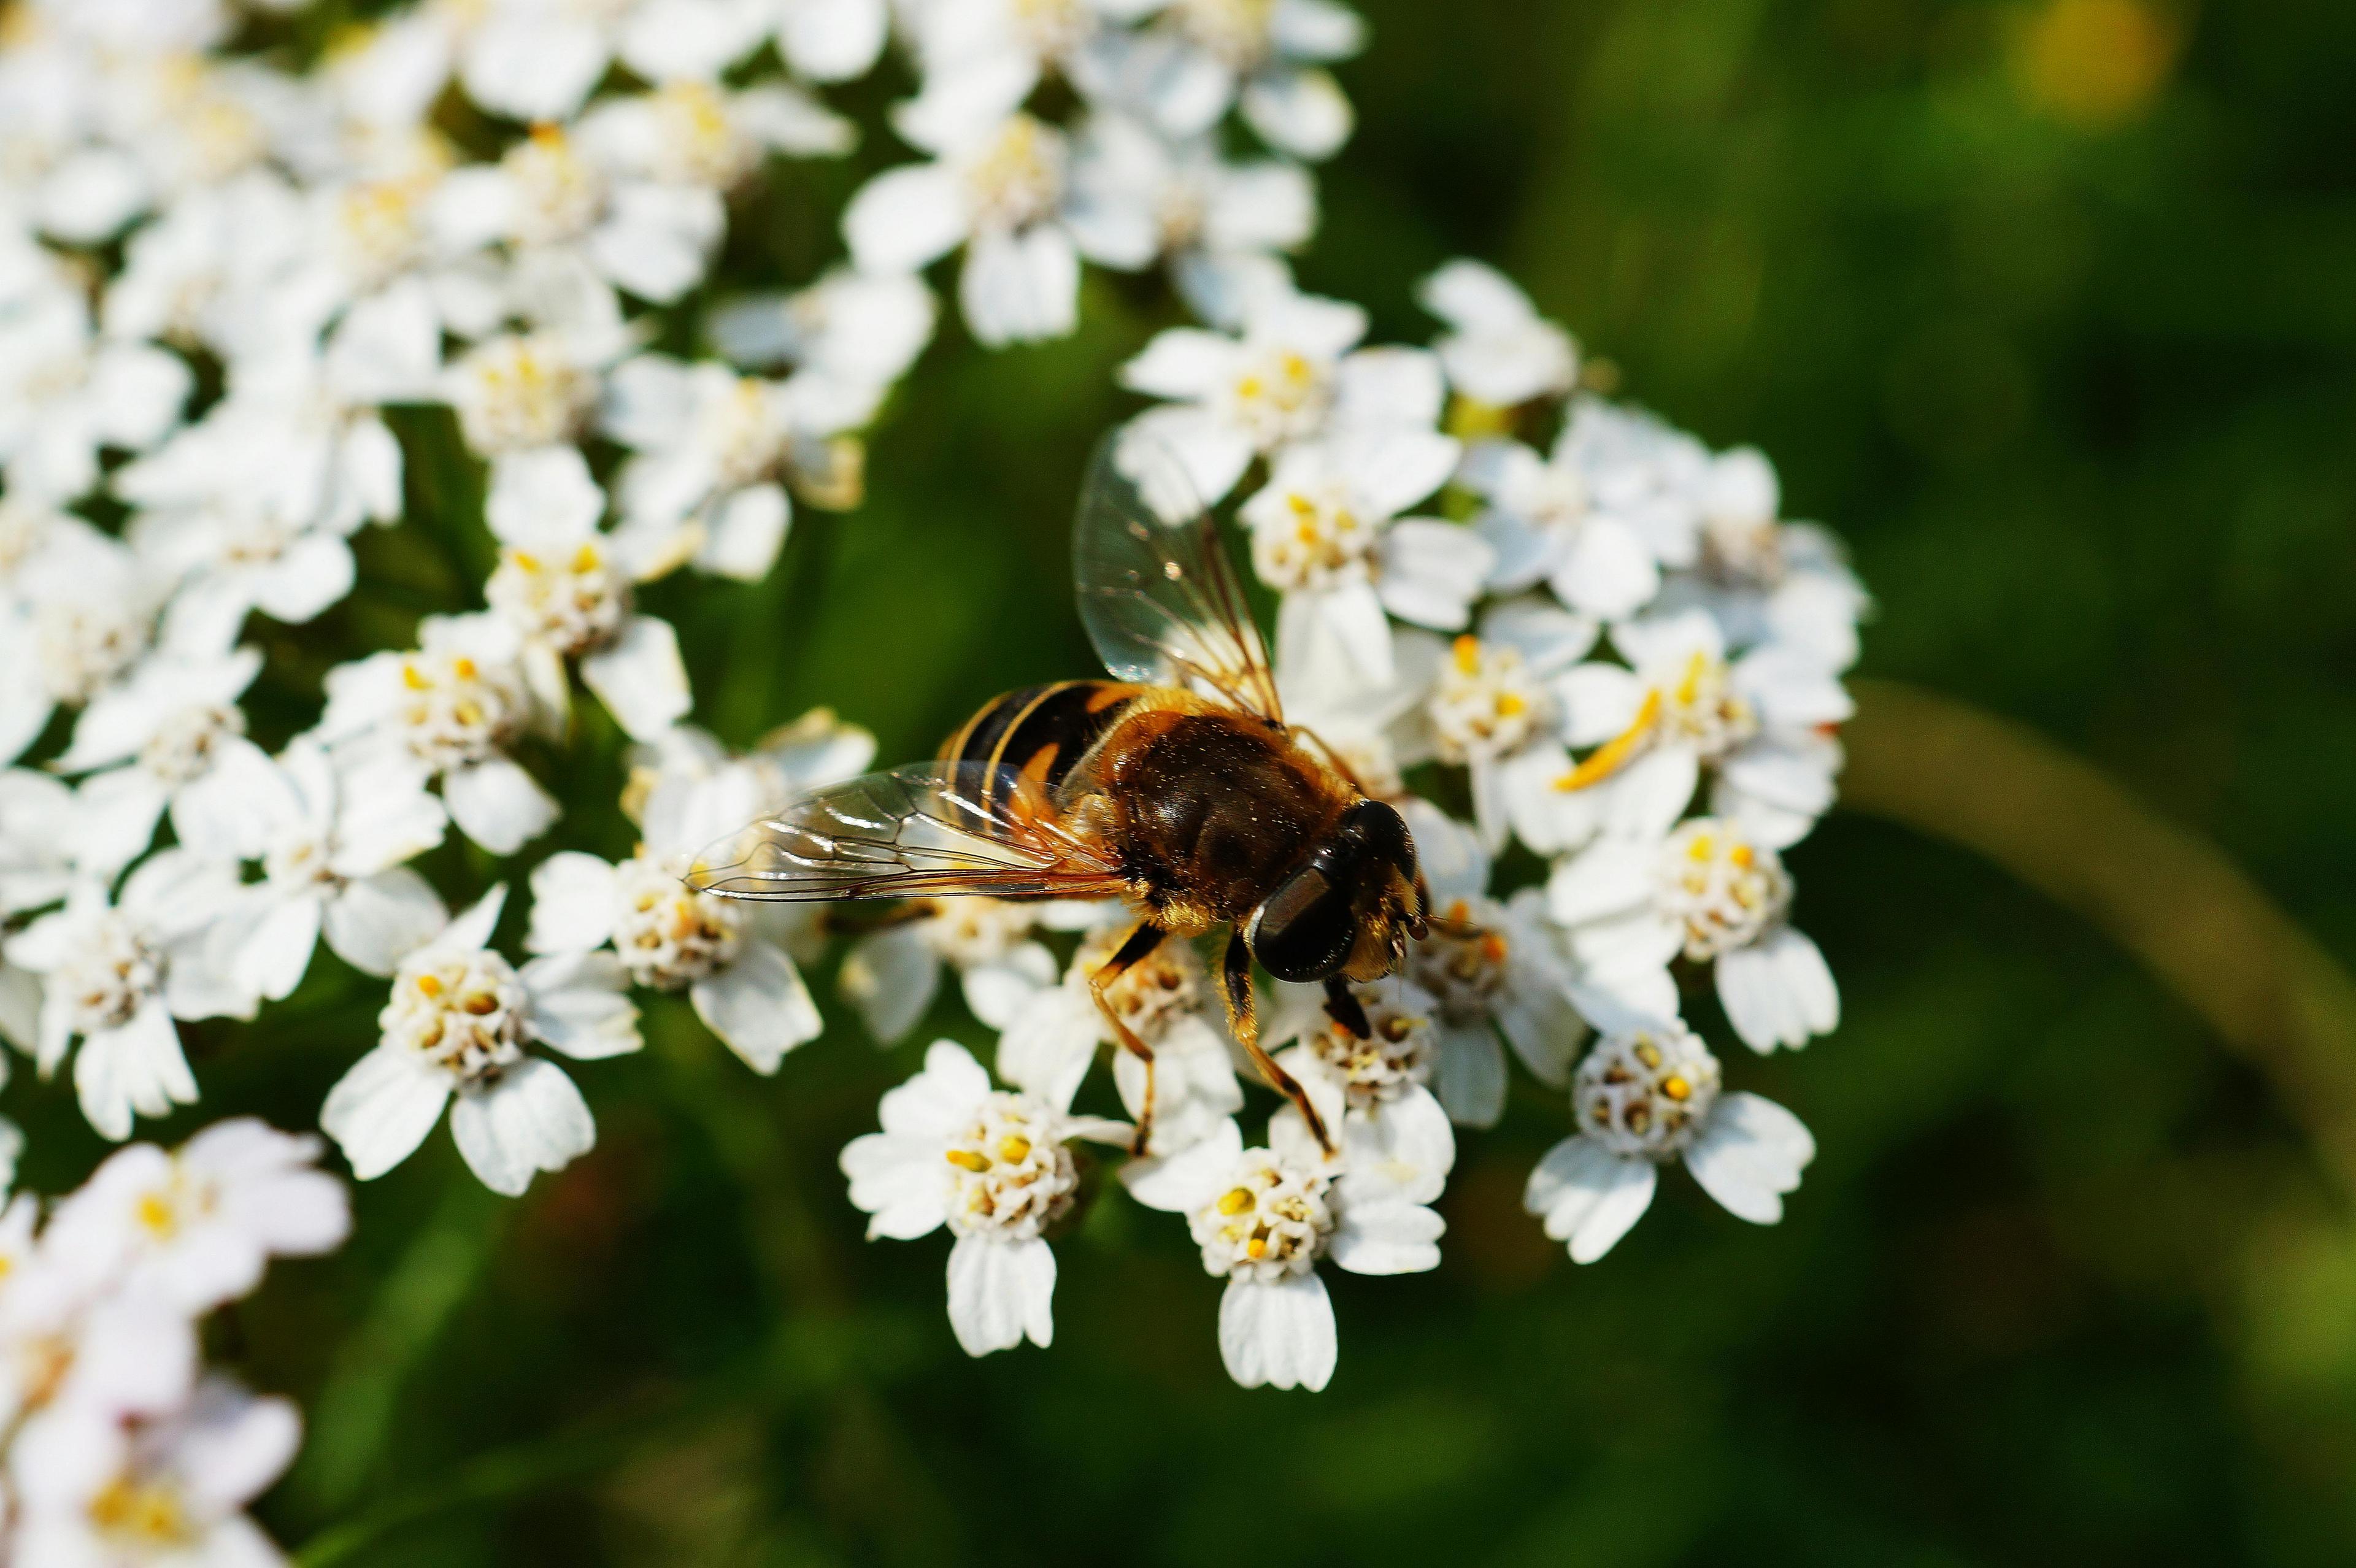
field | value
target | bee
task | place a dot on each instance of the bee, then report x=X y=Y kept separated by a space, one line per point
x=1176 y=787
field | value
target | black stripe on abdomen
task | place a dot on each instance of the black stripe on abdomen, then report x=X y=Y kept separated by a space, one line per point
x=1062 y=721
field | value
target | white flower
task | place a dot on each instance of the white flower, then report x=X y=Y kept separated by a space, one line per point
x=1270 y=52
x=1203 y=209
x=999 y=185
x=1327 y=534
x=452 y=707
x=1496 y=704
x=170 y=734
x=1264 y=1216
x=1544 y=527
x=565 y=588
x=892 y=975
x=65 y=394
x=1648 y=1094
x=537 y=60
x=651 y=238
x=458 y=1023
x=1492 y=969
x=1759 y=723
x=522 y=392
x=251 y=506
x=37 y=830
x=1289 y=374
x=1501 y=352
x=694 y=133
x=74 y=1359
x=830 y=40
x=1166 y=999
x=115 y=975
x=332 y=842
x=732 y=959
x=188 y=276
x=197 y=1227
x=1765 y=580
x=78 y=612
x=1713 y=894
x=98 y=1494
x=1372 y=1091
x=990 y=1165
x=716 y=450
x=857 y=329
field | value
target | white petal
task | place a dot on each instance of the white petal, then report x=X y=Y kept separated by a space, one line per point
x=996 y=992
x=1001 y=1292
x=572 y=902
x=832 y=40
x=271 y=959
x=1279 y=1335
x=905 y=218
x=1589 y=1196
x=1389 y=1237
x=375 y=922
x=578 y=1005
x=1190 y=1177
x=1611 y=878
x=136 y=1067
x=382 y=1110
x=937 y=1101
x=746 y=532
x=498 y=805
x=640 y=677
x=1299 y=111
x=1020 y=288
x=1433 y=571
x=758 y=1006
x=891 y=977
x=1470 y=1077
x=542 y=499
x=1180 y=362
x=1750 y=1155
x=900 y=1181
x=532 y=1119
x=1607 y=572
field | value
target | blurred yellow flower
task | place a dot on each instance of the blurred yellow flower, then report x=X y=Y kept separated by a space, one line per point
x=2096 y=63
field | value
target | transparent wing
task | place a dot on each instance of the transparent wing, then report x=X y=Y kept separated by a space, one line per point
x=1159 y=595
x=927 y=830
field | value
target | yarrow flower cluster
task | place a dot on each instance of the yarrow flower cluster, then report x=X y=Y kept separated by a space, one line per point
x=117 y=1444
x=1598 y=636
x=241 y=303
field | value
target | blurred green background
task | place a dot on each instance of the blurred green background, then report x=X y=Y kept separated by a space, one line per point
x=2047 y=306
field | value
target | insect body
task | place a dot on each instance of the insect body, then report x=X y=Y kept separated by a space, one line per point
x=1178 y=789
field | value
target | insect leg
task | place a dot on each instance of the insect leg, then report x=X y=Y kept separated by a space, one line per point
x=1341 y=1004
x=1235 y=975
x=1133 y=950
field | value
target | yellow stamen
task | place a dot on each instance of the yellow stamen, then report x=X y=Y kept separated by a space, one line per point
x=1256 y=1247
x=1467 y=651
x=464 y=669
x=585 y=558
x=412 y=677
x=968 y=1159
x=158 y=1214
x=1677 y=1088
x=1614 y=754
x=1015 y=1148
x=1236 y=1200
x=1742 y=855
x=430 y=985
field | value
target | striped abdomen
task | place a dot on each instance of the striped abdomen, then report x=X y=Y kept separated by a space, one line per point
x=1041 y=731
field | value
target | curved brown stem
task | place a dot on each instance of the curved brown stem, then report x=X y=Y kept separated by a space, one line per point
x=2173 y=900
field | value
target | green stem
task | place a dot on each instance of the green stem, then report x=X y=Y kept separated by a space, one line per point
x=2174 y=901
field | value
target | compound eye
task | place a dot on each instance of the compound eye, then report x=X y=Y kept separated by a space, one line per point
x=1305 y=929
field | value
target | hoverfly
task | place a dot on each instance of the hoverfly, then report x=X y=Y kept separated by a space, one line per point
x=1176 y=787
